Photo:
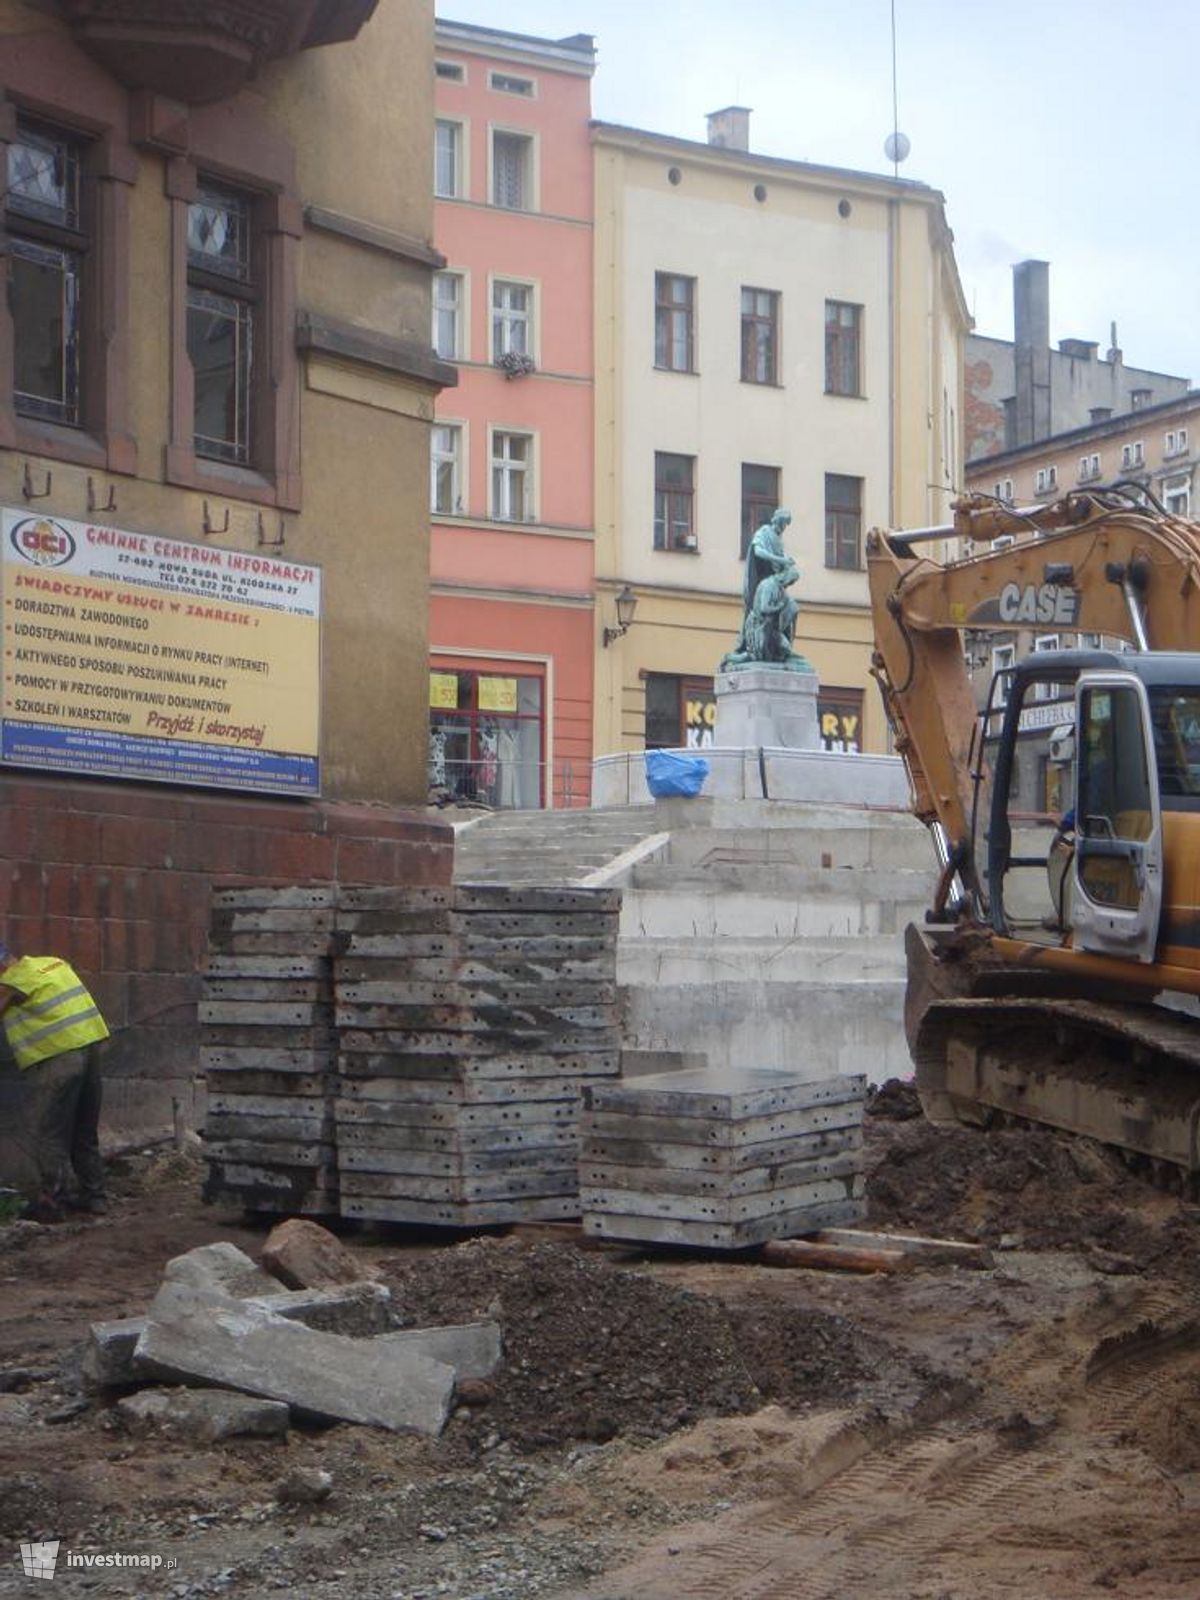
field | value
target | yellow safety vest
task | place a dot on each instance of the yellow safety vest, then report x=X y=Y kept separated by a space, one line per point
x=56 y=1013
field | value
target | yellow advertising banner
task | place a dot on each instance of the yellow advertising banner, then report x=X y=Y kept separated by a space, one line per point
x=137 y=655
x=443 y=691
x=497 y=694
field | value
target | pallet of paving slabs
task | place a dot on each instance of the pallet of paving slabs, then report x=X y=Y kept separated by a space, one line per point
x=468 y=1015
x=268 y=1048
x=723 y=1158
x=458 y=1143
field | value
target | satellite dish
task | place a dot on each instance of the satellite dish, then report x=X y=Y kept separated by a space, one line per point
x=896 y=147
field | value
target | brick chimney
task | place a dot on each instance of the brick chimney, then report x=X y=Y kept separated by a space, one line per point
x=1031 y=351
x=730 y=128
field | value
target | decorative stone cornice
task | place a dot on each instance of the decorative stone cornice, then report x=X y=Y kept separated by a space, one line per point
x=198 y=51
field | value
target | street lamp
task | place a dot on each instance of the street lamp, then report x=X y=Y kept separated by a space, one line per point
x=626 y=606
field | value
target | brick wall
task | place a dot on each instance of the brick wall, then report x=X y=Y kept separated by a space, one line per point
x=116 y=879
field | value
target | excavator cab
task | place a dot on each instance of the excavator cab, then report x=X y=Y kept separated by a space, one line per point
x=1094 y=881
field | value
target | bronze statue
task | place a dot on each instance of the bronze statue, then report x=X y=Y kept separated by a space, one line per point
x=769 y=616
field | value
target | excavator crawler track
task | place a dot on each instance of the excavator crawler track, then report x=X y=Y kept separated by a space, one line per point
x=1126 y=1076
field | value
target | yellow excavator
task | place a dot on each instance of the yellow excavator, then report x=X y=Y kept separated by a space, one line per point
x=1057 y=976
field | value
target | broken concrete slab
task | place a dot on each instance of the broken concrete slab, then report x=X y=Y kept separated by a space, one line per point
x=223 y=1267
x=359 y=1311
x=204 y=1416
x=471 y=1348
x=194 y=1336
x=303 y=1255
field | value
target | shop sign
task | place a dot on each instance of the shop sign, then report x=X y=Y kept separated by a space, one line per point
x=699 y=719
x=136 y=655
x=498 y=694
x=841 y=728
x=443 y=691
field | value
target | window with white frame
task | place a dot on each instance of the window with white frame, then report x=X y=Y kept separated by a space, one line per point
x=1133 y=455
x=512 y=170
x=1003 y=540
x=448 y=159
x=1004 y=659
x=1090 y=641
x=1046 y=480
x=450 y=71
x=1176 y=495
x=509 y=83
x=1044 y=642
x=1003 y=489
x=1089 y=467
x=448 y=319
x=512 y=319
x=512 y=476
x=1175 y=442
x=446 y=468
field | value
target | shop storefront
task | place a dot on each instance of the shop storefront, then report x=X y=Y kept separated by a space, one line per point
x=487 y=734
x=681 y=713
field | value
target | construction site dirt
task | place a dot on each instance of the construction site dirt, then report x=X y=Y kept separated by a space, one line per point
x=665 y=1425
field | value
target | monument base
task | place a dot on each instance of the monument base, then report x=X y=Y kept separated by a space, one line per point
x=764 y=705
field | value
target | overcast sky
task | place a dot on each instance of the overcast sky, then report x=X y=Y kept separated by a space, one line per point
x=1066 y=130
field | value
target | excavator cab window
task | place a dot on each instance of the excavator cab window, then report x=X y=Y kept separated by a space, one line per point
x=1118 y=822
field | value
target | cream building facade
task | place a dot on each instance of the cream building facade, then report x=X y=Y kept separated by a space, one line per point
x=768 y=333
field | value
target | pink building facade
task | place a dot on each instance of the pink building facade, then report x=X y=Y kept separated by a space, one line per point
x=511 y=461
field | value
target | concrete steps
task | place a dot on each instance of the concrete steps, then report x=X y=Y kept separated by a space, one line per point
x=755 y=934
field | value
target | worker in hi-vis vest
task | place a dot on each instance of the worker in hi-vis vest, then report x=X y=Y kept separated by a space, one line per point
x=53 y=1027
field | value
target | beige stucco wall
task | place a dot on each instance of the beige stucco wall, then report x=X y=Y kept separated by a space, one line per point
x=364 y=429
x=889 y=255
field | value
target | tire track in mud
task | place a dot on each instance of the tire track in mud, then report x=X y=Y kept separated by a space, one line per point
x=1002 y=1501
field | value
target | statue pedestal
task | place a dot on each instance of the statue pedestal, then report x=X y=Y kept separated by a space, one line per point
x=765 y=705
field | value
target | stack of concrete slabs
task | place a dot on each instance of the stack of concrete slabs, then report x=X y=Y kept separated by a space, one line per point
x=469 y=1017
x=721 y=1158
x=268 y=1050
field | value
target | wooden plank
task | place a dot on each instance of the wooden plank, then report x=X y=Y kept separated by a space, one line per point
x=830 y=1257
x=441 y=1042
x=267 y=943
x=278 y=1084
x=264 y=1132
x=456 y=1116
x=454 y=1163
x=265 y=1013
x=714 y=1209
x=716 y=1159
x=540 y=992
x=478 y=1214
x=495 y=1186
x=915 y=1248
x=221 y=967
x=720 y=1185
x=384 y=1064
x=265 y=1105
x=297 y=920
x=721 y=1134
x=275 y=990
x=243 y=1036
x=500 y=1144
x=259 y=1058
x=723 y=1093
x=504 y=1094
x=527 y=899
x=722 y=1236
x=261 y=897
x=290 y=1153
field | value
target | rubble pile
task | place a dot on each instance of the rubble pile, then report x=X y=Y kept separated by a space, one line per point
x=267 y=1049
x=251 y=1353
